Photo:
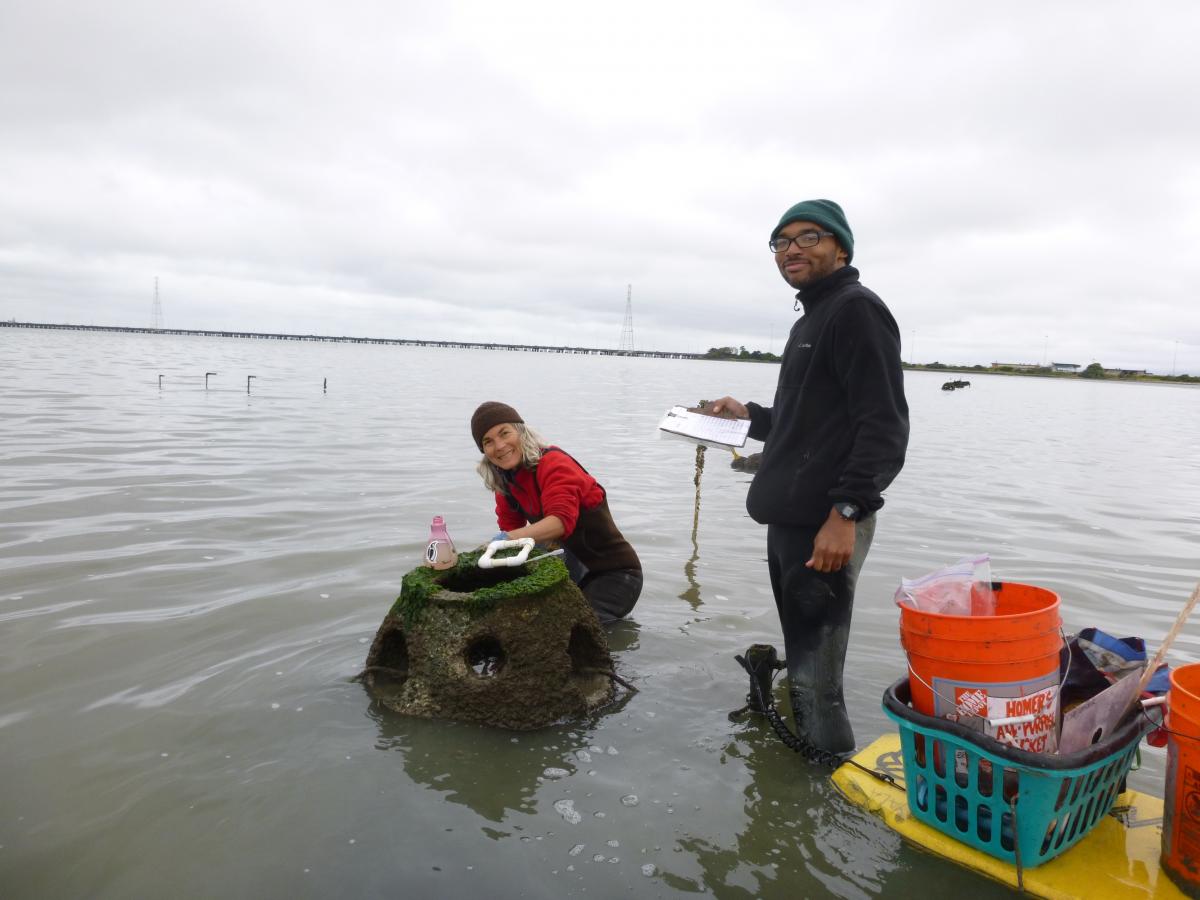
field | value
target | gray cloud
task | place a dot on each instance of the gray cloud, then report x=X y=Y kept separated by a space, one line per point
x=1022 y=180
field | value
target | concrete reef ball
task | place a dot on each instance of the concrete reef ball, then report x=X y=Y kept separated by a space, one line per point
x=516 y=648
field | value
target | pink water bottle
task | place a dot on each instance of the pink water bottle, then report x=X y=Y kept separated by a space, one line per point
x=440 y=553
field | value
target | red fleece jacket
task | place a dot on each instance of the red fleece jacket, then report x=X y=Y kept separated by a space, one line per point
x=566 y=489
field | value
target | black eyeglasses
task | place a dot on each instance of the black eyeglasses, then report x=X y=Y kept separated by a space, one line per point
x=803 y=239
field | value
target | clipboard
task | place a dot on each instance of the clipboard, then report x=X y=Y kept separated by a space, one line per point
x=700 y=428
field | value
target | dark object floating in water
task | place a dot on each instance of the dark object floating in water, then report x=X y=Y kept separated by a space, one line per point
x=515 y=647
x=951 y=385
x=747 y=463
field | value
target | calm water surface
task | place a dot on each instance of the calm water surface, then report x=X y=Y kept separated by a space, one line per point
x=191 y=577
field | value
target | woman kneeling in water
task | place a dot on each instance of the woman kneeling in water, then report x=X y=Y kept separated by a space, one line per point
x=544 y=494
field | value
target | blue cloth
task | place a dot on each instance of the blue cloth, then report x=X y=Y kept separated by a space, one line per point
x=1113 y=657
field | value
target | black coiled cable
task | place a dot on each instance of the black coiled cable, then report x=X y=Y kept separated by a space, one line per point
x=766 y=705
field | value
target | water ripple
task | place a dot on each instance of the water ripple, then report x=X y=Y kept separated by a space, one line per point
x=190 y=578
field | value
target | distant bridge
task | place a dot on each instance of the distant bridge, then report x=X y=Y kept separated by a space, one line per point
x=399 y=342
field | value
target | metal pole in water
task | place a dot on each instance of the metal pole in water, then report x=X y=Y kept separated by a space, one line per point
x=325 y=386
x=248 y=377
x=160 y=382
x=206 y=374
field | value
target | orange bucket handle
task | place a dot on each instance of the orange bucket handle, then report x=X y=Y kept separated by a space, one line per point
x=1016 y=719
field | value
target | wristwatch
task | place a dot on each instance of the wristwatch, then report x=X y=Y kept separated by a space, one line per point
x=847 y=511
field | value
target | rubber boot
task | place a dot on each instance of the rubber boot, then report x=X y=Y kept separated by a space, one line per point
x=815 y=692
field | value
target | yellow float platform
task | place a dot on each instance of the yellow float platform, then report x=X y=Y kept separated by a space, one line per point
x=1118 y=859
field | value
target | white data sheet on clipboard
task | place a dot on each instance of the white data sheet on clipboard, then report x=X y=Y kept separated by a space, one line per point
x=712 y=431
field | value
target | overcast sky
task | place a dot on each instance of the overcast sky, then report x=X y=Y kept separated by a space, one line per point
x=1023 y=179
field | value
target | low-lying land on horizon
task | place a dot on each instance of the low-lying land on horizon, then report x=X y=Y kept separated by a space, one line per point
x=735 y=354
x=1052 y=370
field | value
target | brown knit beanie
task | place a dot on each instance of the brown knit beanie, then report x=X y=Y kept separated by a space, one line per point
x=488 y=416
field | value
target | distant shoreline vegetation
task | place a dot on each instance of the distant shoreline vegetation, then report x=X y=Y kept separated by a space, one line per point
x=740 y=354
x=1093 y=371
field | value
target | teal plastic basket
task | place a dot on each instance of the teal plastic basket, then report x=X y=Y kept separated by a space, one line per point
x=1022 y=807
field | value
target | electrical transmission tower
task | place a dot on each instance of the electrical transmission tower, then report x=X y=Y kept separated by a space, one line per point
x=157 y=307
x=627 y=327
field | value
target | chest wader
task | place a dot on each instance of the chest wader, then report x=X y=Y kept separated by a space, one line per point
x=597 y=556
x=595 y=541
x=814 y=612
x=575 y=567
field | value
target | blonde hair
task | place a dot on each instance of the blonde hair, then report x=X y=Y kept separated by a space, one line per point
x=532 y=444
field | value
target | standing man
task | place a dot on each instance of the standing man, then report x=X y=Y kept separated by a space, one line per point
x=834 y=440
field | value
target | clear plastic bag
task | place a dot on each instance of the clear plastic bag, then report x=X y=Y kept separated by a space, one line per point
x=961 y=589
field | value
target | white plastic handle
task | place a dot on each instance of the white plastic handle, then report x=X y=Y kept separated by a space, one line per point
x=1012 y=720
x=486 y=561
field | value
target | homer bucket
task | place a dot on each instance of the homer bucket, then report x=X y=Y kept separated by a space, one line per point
x=998 y=660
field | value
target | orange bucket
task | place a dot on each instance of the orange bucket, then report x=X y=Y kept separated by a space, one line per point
x=991 y=666
x=1181 y=814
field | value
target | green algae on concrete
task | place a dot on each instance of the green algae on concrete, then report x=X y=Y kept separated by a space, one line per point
x=493 y=584
x=515 y=647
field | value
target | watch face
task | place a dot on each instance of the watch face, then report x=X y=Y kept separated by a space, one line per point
x=847 y=510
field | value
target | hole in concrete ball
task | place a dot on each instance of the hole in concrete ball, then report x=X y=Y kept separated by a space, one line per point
x=389 y=662
x=485 y=656
x=470 y=580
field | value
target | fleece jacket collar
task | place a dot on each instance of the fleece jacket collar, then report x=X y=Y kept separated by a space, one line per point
x=815 y=293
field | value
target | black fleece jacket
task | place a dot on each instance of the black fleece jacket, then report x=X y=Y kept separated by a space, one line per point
x=838 y=429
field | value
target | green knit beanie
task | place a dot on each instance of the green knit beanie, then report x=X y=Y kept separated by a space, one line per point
x=825 y=213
